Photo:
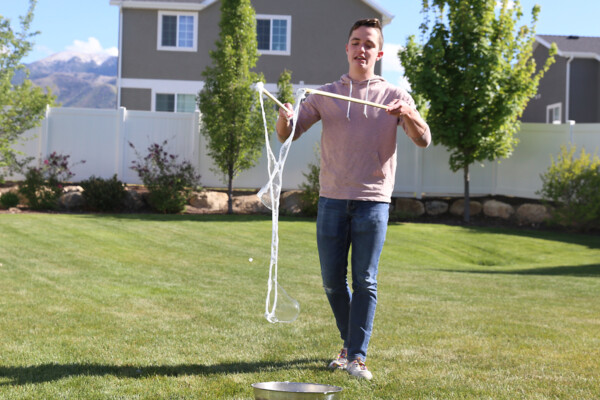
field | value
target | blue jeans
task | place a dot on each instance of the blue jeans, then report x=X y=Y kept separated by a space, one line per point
x=362 y=225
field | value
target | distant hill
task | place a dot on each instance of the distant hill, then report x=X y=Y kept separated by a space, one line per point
x=77 y=79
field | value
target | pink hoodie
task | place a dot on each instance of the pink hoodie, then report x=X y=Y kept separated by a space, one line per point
x=358 y=142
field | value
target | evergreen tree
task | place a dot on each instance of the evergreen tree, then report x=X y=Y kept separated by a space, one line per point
x=231 y=117
x=477 y=72
x=22 y=106
x=285 y=90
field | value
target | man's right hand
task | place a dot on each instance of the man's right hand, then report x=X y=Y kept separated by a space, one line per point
x=287 y=112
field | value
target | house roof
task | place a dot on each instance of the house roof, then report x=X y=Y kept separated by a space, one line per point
x=387 y=17
x=197 y=5
x=573 y=46
x=184 y=5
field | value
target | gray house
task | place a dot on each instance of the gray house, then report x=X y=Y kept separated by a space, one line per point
x=164 y=45
x=570 y=90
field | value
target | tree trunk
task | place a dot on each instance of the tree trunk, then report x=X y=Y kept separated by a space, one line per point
x=230 y=192
x=467 y=215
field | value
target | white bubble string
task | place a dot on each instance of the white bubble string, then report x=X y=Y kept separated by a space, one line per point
x=279 y=307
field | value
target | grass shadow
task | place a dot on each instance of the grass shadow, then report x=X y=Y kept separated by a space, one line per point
x=180 y=217
x=590 y=240
x=195 y=217
x=20 y=375
x=591 y=271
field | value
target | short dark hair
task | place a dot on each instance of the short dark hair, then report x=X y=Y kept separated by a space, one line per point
x=371 y=23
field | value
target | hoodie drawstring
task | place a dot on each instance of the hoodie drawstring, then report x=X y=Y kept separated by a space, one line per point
x=350 y=95
x=366 y=98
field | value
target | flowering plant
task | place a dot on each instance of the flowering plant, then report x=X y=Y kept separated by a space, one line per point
x=43 y=185
x=169 y=182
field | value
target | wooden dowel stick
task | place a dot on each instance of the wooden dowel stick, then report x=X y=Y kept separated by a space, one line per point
x=352 y=99
x=322 y=93
x=265 y=91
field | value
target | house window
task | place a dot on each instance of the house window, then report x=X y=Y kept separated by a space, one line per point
x=165 y=102
x=177 y=31
x=273 y=34
x=553 y=113
x=185 y=103
x=175 y=102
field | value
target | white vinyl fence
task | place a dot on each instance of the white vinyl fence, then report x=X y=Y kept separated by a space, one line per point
x=102 y=137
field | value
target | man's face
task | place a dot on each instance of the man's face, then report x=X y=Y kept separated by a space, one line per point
x=363 y=50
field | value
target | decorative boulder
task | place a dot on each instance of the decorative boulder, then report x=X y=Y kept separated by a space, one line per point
x=458 y=207
x=436 y=207
x=134 y=201
x=411 y=207
x=210 y=201
x=72 y=200
x=14 y=189
x=249 y=204
x=495 y=208
x=291 y=202
x=528 y=214
x=72 y=188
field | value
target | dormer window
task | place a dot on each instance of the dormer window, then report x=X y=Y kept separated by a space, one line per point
x=273 y=34
x=177 y=31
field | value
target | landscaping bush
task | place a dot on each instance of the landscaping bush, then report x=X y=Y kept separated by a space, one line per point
x=9 y=200
x=169 y=183
x=103 y=194
x=310 y=188
x=573 y=186
x=43 y=185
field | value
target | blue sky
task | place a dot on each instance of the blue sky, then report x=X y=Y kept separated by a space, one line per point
x=92 y=25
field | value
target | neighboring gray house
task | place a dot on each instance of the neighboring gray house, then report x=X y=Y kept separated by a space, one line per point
x=570 y=89
x=164 y=45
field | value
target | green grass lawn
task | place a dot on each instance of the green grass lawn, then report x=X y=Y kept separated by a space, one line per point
x=147 y=306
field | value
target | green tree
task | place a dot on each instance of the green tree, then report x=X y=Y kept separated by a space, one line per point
x=231 y=117
x=477 y=72
x=571 y=185
x=285 y=90
x=22 y=106
x=311 y=187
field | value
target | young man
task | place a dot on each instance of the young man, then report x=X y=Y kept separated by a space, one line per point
x=358 y=166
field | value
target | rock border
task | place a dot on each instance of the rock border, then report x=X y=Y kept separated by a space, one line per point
x=498 y=209
x=489 y=210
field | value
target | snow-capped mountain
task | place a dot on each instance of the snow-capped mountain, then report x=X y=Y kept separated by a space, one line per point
x=68 y=61
x=78 y=79
x=64 y=56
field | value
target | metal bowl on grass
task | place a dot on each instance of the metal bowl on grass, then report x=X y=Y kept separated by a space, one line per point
x=295 y=391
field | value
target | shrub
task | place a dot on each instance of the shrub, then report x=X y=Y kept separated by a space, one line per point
x=103 y=194
x=310 y=188
x=169 y=183
x=9 y=199
x=573 y=185
x=10 y=164
x=43 y=185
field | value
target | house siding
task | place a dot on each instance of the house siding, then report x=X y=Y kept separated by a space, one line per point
x=319 y=37
x=551 y=89
x=142 y=60
x=136 y=99
x=584 y=102
x=319 y=32
x=598 y=91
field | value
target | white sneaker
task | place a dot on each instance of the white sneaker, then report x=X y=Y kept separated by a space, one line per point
x=358 y=369
x=341 y=360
